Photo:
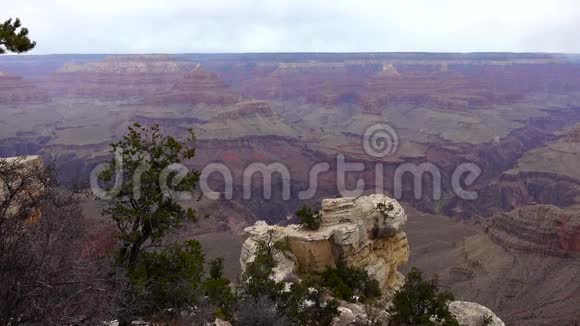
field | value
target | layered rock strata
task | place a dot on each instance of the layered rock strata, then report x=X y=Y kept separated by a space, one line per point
x=15 y=90
x=118 y=77
x=198 y=86
x=538 y=229
x=353 y=229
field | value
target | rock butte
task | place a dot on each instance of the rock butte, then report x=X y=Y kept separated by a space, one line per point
x=538 y=229
x=352 y=229
x=355 y=230
x=117 y=77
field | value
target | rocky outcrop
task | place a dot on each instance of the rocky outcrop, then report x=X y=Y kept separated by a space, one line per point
x=353 y=229
x=364 y=231
x=538 y=229
x=466 y=313
x=473 y=314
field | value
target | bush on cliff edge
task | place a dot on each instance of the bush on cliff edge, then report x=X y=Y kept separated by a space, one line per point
x=420 y=302
x=309 y=218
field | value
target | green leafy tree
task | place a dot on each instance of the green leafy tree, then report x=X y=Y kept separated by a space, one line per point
x=307 y=304
x=420 y=302
x=346 y=282
x=216 y=268
x=219 y=293
x=256 y=278
x=218 y=290
x=309 y=218
x=143 y=210
x=14 y=37
x=171 y=277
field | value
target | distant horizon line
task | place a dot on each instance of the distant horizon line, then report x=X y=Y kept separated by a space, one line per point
x=292 y=53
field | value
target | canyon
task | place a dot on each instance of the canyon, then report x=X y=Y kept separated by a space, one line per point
x=516 y=116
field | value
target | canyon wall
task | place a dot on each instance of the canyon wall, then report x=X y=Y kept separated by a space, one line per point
x=117 y=77
x=15 y=90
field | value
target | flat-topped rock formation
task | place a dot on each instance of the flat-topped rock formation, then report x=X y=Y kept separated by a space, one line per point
x=118 y=77
x=538 y=229
x=353 y=229
x=126 y=64
x=365 y=232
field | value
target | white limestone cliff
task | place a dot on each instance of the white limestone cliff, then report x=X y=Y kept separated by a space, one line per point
x=352 y=229
x=361 y=233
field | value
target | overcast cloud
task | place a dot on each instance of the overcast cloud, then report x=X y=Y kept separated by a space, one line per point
x=171 y=26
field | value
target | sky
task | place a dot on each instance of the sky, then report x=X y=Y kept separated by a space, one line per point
x=191 y=26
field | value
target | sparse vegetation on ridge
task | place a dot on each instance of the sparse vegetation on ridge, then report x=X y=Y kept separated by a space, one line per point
x=350 y=283
x=309 y=218
x=385 y=209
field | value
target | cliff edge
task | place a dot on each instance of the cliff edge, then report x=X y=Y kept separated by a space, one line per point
x=365 y=232
x=352 y=229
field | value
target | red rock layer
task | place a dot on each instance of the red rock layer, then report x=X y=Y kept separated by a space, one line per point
x=538 y=229
x=198 y=86
x=111 y=86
